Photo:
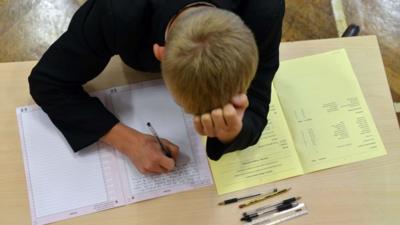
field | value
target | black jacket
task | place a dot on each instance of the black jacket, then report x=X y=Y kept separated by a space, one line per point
x=129 y=28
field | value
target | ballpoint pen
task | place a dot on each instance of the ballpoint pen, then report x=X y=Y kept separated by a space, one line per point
x=233 y=200
x=265 y=207
x=279 y=208
x=153 y=131
x=264 y=197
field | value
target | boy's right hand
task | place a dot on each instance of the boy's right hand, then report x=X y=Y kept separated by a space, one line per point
x=143 y=150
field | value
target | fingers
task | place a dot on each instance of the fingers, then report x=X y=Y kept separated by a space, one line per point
x=151 y=164
x=218 y=119
x=158 y=162
x=208 y=125
x=198 y=126
x=173 y=149
x=167 y=163
x=155 y=169
x=230 y=115
x=224 y=123
x=240 y=101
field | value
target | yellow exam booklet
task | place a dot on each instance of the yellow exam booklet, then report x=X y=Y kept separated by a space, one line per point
x=318 y=119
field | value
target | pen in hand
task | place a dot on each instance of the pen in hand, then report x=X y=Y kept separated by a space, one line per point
x=154 y=133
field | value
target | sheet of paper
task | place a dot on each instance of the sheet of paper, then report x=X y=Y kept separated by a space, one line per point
x=61 y=184
x=326 y=111
x=272 y=158
x=138 y=104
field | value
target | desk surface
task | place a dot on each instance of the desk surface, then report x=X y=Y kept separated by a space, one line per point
x=364 y=193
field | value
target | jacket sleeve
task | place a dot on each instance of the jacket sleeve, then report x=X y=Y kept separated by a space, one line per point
x=78 y=56
x=268 y=37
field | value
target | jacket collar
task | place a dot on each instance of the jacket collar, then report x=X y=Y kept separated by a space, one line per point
x=165 y=11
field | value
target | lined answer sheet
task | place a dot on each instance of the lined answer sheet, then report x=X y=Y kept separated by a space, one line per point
x=63 y=184
x=135 y=105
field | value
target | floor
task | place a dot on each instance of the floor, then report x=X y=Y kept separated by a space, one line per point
x=28 y=27
x=382 y=18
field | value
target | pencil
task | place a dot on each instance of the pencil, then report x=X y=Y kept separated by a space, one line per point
x=233 y=200
x=262 y=198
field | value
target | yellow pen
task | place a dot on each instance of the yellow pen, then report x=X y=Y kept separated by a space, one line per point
x=262 y=198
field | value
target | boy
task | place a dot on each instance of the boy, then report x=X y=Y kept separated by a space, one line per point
x=209 y=64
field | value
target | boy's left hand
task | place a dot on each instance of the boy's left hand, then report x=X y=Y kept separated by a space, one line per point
x=223 y=123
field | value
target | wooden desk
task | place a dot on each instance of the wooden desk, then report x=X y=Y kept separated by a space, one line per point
x=366 y=193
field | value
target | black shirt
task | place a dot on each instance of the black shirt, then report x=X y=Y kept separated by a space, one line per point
x=129 y=28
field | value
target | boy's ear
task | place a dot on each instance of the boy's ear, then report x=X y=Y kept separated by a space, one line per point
x=158 y=51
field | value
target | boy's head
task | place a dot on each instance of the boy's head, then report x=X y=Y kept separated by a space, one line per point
x=210 y=56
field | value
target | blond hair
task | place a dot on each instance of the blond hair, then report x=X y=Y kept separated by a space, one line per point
x=210 y=56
